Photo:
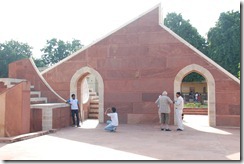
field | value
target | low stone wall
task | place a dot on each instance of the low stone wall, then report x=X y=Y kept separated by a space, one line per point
x=61 y=117
x=195 y=111
x=15 y=110
x=229 y=120
x=50 y=116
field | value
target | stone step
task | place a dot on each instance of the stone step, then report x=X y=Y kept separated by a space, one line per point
x=195 y=111
x=39 y=100
x=94 y=97
x=92 y=93
x=93 y=110
x=34 y=94
x=94 y=101
x=32 y=87
x=94 y=106
x=92 y=115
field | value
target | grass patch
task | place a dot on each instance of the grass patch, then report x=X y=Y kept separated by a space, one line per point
x=195 y=105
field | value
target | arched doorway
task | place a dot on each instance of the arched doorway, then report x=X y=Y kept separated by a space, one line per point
x=76 y=84
x=210 y=88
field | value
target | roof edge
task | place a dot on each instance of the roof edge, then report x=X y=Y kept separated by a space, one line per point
x=201 y=54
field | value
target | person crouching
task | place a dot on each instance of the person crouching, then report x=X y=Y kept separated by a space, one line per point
x=113 y=123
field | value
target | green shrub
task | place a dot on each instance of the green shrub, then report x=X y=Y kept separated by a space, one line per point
x=195 y=105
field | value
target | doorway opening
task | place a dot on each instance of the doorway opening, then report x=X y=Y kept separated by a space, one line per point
x=80 y=85
x=208 y=87
x=194 y=93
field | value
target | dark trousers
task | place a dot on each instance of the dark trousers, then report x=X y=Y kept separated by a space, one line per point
x=75 y=113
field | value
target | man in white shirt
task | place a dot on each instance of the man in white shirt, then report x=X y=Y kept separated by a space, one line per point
x=179 y=105
x=75 y=109
x=114 y=122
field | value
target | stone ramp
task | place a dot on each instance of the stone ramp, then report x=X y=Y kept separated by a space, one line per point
x=130 y=142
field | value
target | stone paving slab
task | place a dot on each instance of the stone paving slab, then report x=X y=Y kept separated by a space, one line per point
x=129 y=142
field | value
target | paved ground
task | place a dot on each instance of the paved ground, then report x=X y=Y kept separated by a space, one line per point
x=131 y=142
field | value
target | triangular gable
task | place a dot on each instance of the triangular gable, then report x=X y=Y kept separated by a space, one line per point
x=156 y=7
x=160 y=21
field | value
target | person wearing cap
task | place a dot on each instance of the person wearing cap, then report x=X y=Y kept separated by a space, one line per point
x=179 y=105
x=163 y=103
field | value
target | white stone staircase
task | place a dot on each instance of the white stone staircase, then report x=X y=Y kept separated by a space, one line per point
x=35 y=97
x=94 y=105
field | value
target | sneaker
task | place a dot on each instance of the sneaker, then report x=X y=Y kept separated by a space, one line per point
x=113 y=130
x=162 y=129
x=167 y=130
x=78 y=125
x=179 y=129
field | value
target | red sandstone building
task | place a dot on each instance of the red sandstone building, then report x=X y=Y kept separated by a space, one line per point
x=131 y=67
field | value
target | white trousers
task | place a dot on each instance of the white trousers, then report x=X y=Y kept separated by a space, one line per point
x=178 y=113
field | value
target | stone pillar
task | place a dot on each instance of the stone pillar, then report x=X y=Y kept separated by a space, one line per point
x=47 y=115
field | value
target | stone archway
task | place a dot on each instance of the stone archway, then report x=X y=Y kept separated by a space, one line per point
x=74 y=85
x=210 y=88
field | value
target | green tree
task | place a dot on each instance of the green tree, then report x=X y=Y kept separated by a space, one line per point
x=184 y=29
x=56 y=50
x=11 y=51
x=193 y=77
x=224 y=41
x=39 y=62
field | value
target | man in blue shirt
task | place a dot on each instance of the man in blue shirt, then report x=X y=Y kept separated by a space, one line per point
x=75 y=109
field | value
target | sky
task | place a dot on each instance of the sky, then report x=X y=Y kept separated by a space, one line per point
x=36 y=21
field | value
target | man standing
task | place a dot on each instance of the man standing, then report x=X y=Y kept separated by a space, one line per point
x=164 y=110
x=75 y=109
x=114 y=122
x=179 y=105
x=196 y=97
